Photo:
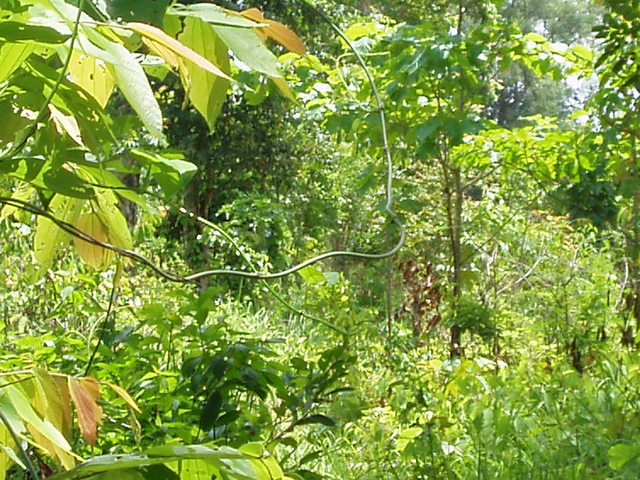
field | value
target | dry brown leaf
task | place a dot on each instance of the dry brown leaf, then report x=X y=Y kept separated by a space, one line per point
x=84 y=393
x=276 y=31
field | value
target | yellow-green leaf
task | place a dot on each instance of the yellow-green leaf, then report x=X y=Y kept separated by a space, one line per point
x=122 y=393
x=206 y=92
x=26 y=412
x=13 y=55
x=154 y=37
x=49 y=238
x=92 y=76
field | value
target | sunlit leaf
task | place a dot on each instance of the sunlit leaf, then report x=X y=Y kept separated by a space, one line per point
x=207 y=92
x=92 y=76
x=159 y=42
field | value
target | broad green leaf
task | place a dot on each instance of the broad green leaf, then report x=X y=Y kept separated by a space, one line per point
x=621 y=454
x=311 y=275
x=159 y=42
x=92 y=76
x=212 y=14
x=7 y=455
x=133 y=83
x=534 y=37
x=13 y=55
x=211 y=411
x=207 y=92
x=405 y=437
x=231 y=463
x=61 y=180
x=170 y=173
x=197 y=470
x=49 y=238
x=58 y=410
x=247 y=46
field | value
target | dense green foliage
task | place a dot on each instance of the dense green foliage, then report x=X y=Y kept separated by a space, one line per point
x=159 y=161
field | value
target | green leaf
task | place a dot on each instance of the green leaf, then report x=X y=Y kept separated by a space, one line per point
x=22 y=32
x=211 y=411
x=212 y=14
x=108 y=212
x=207 y=92
x=321 y=419
x=247 y=46
x=231 y=463
x=311 y=275
x=152 y=12
x=13 y=55
x=133 y=83
x=621 y=454
x=61 y=180
x=170 y=173
x=171 y=50
x=405 y=437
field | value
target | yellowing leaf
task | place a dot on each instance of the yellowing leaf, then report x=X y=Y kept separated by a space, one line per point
x=84 y=393
x=92 y=76
x=159 y=43
x=122 y=393
x=282 y=85
x=276 y=31
x=32 y=420
x=94 y=255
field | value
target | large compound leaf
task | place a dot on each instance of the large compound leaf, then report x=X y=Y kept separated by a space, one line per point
x=207 y=92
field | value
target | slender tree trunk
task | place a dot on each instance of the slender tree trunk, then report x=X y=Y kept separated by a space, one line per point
x=453 y=193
